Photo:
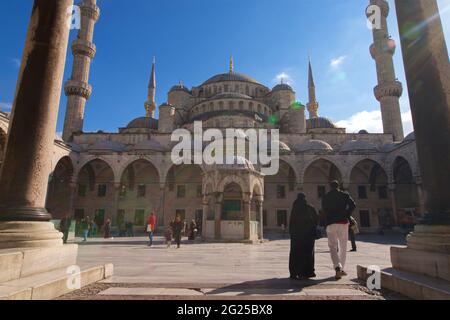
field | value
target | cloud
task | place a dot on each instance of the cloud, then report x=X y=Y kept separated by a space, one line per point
x=16 y=62
x=5 y=106
x=335 y=63
x=372 y=122
x=285 y=77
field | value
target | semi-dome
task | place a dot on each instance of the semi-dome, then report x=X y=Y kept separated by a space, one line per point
x=320 y=123
x=281 y=87
x=143 y=123
x=231 y=76
x=180 y=87
x=282 y=146
x=231 y=95
x=147 y=145
x=107 y=145
x=358 y=145
x=411 y=137
x=313 y=145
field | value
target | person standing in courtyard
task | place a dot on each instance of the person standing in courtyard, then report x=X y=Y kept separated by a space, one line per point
x=177 y=229
x=151 y=227
x=302 y=228
x=64 y=227
x=168 y=234
x=192 y=230
x=107 y=229
x=338 y=207
x=352 y=232
x=85 y=225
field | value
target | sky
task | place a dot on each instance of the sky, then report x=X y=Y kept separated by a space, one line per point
x=192 y=40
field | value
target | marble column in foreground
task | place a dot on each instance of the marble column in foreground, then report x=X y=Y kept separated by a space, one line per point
x=27 y=162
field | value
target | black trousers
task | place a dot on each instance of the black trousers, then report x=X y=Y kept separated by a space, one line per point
x=352 y=237
x=178 y=239
x=301 y=259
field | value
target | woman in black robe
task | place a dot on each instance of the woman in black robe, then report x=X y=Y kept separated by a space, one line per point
x=303 y=230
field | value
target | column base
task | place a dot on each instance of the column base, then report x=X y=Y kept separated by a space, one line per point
x=434 y=238
x=29 y=234
x=24 y=214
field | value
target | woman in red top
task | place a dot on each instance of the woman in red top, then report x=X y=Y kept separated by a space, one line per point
x=151 y=227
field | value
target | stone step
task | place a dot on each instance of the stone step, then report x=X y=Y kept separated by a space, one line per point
x=412 y=285
x=51 y=284
x=19 y=263
x=224 y=292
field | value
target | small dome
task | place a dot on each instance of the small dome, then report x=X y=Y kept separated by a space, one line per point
x=281 y=87
x=107 y=145
x=411 y=137
x=363 y=132
x=388 y=147
x=231 y=76
x=358 y=145
x=143 y=123
x=313 y=145
x=148 y=145
x=282 y=146
x=320 y=123
x=240 y=163
x=231 y=95
x=180 y=87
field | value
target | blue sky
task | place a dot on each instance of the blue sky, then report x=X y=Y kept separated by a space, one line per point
x=193 y=39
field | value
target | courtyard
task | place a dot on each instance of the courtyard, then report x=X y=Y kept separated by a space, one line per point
x=225 y=270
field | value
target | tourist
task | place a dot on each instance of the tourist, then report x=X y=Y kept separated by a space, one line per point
x=177 y=229
x=107 y=229
x=302 y=228
x=85 y=228
x=192 y=230
x=92 y=228
x=64 y=227
x=338 y=207
x=168 y=234
x=352 y=232
x=151 y=227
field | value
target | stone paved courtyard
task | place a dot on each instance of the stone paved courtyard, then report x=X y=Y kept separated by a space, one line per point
x=223 y=270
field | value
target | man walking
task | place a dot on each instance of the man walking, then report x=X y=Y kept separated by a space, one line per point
x=64 y=227
x=338 y=207
x=151 y=227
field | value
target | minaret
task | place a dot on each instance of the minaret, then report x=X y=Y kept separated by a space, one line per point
x=313 y=105
x=77 y=89
x=150 y=104
x=389 y=89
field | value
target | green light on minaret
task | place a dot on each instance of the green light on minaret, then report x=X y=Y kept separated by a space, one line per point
x=273 y=119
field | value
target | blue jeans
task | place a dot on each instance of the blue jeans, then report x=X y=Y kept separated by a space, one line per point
x=85 y=234
x=150 y=236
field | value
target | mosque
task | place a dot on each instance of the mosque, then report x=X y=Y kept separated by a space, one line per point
x=125 y=175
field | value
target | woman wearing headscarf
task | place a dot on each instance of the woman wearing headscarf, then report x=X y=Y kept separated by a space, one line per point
x=303 y=231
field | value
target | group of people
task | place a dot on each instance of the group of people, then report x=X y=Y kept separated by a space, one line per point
x=90 y=228
x=174 y=230
x=337 y=208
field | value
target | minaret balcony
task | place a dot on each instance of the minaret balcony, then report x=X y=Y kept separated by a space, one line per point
x=78 y=88
x=89 y=10
x=84 y=48
x=388 y=89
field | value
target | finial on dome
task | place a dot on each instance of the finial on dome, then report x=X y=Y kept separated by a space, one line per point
x=231 y=64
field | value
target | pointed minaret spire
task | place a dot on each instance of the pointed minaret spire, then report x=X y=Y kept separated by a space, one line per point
x=231 y=64
x=150 y=104
x=313 y=105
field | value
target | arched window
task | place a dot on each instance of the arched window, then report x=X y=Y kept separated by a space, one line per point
x=241 y=105
x=247 y=90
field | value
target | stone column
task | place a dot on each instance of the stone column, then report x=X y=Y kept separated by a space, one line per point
x=115 y=206
x=427 y=69
x=205 y=215
x=162 y=190
x=218 y=217
x=27 y=162
x=246 y=209
x=73 y=193
x=259 y=205
x=394 y=203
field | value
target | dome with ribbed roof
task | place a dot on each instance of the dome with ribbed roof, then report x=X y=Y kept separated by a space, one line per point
x=180 y=87
x=281 y=87
x=143 y=123
x=358 y=145
x=231 y=76
x=313 y=145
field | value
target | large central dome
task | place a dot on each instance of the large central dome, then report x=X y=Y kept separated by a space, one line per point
x=231 y=76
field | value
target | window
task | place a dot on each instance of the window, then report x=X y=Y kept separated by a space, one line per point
x=139 y=217
x=101 y=191
x=181 y=191
x=382 y=192
x=321 y=191
x=199 y=191
x=141 y=191
x=281 y=192
x=181 y=213
x=82 y=190
x=79 y=214
x=282 y=218
x=362 y=192
x=364 y=218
